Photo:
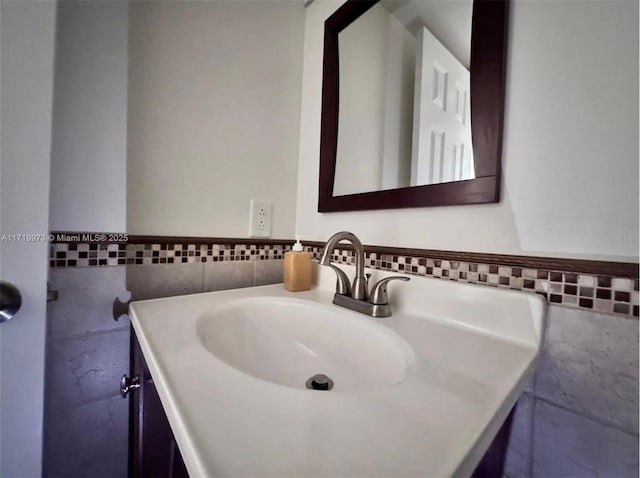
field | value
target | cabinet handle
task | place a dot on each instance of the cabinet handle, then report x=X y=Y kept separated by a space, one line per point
x=127 y=384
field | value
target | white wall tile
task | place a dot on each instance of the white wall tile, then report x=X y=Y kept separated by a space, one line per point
x=152 y=281
x=269 y=272
x=517 y=461
x=85 y=299
x=569 y=445
x=228 y=275
x=88 y=441
x=590 y=364
x=82 y=369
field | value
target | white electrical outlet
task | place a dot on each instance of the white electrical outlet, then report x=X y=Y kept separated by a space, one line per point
x=260 y=219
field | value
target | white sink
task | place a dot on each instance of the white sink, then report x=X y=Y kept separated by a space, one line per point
x=286 y=341
x=421 y=393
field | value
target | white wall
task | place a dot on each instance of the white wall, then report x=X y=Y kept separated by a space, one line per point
x=88 y=150
x=449 y=21
x=27 y=49
x=377 y=65
x=214 y=112
x=362 y=55
x=570 y=160
x=398 y=107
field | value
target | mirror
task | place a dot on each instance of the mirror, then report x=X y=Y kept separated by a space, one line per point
x=404 y=110
x=412 y=104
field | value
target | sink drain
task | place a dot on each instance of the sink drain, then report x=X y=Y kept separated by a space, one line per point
x=319 y=382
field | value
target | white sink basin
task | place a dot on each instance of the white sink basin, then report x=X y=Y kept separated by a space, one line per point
x=286 y=341
x=421 y=393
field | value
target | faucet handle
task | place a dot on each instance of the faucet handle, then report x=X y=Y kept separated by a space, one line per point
x=379 y=291
x=342 y=281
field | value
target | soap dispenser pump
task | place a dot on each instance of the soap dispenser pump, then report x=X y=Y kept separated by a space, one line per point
x=297 y=247
x=297 y=268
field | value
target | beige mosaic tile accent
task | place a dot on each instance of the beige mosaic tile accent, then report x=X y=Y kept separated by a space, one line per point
x=98 y=254
x=613 y=295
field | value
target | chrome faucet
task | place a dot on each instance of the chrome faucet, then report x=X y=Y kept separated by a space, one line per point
x=356 y=296
x=359 y=289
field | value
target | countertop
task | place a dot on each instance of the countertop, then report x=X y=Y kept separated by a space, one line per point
x=475 y=348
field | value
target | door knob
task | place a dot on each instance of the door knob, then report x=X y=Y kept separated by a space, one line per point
x=10 y=301
x=127 y=384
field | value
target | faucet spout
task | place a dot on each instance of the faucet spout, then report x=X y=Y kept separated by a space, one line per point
x=359 y=288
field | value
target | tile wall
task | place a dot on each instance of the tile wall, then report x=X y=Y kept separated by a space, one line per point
x=601 y=293
x=152 y=281
x=86 y=420
x=577 y=418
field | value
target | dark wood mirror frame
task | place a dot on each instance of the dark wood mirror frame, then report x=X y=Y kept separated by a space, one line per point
x=488 y=51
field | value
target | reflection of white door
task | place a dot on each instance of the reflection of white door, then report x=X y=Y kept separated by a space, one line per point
x=441 y=148
x=26 y=42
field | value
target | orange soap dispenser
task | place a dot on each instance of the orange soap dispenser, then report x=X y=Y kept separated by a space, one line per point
x=297 y=268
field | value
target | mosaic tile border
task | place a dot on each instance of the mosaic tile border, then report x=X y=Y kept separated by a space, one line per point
x=606 y=294
x=598 y=292
x=73 y=254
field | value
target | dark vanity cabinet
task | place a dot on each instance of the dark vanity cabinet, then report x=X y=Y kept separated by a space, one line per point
x=492 y=464
x=153 y=451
